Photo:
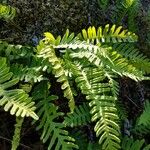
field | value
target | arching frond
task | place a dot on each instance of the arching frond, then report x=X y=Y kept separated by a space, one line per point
x=102 y=104
x=107 y=35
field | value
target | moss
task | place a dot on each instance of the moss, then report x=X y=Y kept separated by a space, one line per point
x=36 y=17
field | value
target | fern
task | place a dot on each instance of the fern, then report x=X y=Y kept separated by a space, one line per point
x=132 y=14
x=48 y=114
x=144 y=118
x=131 y=144
x=16 y=136
x=135 y=57
x=15 y=100
x=57 y=66
x=80 y=116
x=102 y=106
x=16 y=52
x=7 y=12
x=96 y=65
x=107 y=35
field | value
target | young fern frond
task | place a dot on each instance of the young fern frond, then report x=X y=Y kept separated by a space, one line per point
x=48 y=114
x=80 y=116
x=107 y=35
x=14 y=100
x=7 y=12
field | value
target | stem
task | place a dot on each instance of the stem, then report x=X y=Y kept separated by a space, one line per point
x=16 y=137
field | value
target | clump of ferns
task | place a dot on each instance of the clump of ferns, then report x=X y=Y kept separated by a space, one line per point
x=95 y=59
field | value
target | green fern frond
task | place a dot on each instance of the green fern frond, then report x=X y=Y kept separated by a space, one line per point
x=102 y=105
x=15 y=52
x=7 y=12
x=126 y=8
x=58 y=70
x=107 y=35
x=27 y=74
x=82 y=140
x=48 y=115
x=15 y=100
x=135 y=57
x=123 y=67
x=131 y=144
x=145 y=116
x=111 y=60
x=122 y=112
x=132 y=14
x=80 y=116
x=17 y=133
x=141 y=130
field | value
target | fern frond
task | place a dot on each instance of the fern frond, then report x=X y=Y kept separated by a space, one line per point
x=51 y=129
x=141 y=130
x=80 y=116
x=15 y=52
x=123 y=67
x=107 y=35
x=15 y=100
x=111 y=60
x=132 y=14
x=135 y=57
x=7 y=12
x=131 y=144
x=94 y=146
x=102 y=105
x=82 y=140
x=145 y=116
x=16 y=136
x=27 y=74
x=58 y=69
